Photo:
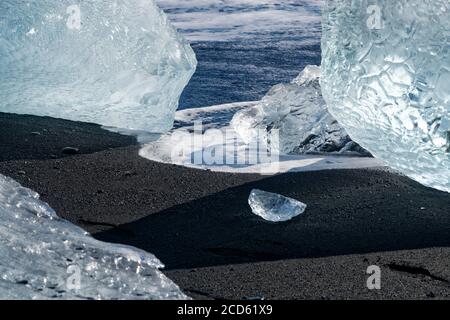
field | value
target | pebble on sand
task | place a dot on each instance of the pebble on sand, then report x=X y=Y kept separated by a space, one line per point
x=70 y=150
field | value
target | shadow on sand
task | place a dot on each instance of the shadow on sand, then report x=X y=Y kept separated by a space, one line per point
x=349 y=212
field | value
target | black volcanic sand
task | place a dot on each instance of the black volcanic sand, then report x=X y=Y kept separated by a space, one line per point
x=41 y=138
x=200 y=225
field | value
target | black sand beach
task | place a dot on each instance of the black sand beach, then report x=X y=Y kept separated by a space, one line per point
x=198 y=223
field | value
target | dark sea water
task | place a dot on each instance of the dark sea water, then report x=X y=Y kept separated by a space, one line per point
x=244 y=47
x=241 y=71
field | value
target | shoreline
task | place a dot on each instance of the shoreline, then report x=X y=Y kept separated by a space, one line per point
x=198 y=223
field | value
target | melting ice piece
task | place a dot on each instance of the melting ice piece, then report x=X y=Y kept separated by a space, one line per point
x=300 y=114
x=116 y=63
x=385 y=77
x=274 y=207
x=45 y=257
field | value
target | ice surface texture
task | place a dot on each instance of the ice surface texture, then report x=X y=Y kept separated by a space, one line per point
x=117 y=63
x=274 y=207
x=300 y=114
x=41 y=255
x=386 y=79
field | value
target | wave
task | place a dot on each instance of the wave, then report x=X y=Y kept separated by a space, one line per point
x=224 y=20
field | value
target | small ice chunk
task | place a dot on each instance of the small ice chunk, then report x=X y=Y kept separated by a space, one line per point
x=274 y=207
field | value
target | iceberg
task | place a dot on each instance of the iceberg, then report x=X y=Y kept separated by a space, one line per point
x=385 y=78
x=45 y=257
x=274 y=207
x=115 y=63
x=299 y=114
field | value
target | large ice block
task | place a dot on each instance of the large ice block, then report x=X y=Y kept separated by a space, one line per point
x=45 y=257
x=117 y=63
x=386 y=79
x=299 y=113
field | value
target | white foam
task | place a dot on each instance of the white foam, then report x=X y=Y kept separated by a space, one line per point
x=221 y=20
x=185 y=146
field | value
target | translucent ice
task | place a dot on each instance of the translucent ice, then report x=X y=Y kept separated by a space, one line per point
x=274 y=207
x=116 y=63
x=386 y=79
x=300 y=114
x=45 y=257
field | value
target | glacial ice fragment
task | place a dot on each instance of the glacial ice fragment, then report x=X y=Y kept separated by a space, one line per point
x=115 y=63
x=274 y=207
x=386 y=79
x=45 y=257
x=299 y=113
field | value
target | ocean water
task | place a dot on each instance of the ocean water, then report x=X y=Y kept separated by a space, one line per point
x=244 y=47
